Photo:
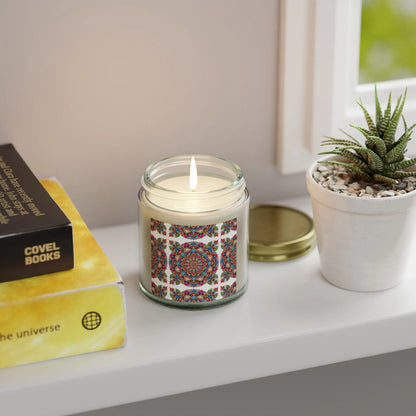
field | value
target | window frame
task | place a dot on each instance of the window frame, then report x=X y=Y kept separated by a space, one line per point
x=319 y=44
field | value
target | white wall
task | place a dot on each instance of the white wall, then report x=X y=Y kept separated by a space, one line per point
x=93 y=91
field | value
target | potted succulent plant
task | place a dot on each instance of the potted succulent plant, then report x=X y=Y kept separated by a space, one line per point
x=363 y=200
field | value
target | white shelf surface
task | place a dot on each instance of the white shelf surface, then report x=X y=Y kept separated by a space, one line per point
x=289 y=319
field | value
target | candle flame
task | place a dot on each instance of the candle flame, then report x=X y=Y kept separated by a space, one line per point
x=193 y=175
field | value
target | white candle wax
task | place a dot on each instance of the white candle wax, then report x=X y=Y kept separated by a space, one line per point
x=181 y=198
x=205 y=184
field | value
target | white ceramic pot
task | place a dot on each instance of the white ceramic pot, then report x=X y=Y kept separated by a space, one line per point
x=364 y=243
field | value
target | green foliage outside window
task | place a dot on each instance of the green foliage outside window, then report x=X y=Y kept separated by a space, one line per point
x=388 y=40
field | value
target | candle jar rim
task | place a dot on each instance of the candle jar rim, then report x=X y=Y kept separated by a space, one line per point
x=147 y=180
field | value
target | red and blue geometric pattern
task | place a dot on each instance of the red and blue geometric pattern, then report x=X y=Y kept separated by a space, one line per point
x=193 y=232
x=159 y=290
x=159 y=260
x=157 y=226
x=228 y=290
x=194 y=296
x=229 y=259
x=194 y=264
x=229 y=226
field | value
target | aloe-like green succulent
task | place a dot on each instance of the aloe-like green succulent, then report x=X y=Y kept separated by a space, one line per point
x=382 y=158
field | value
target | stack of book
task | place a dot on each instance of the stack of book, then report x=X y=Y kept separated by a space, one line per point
x=59 y=293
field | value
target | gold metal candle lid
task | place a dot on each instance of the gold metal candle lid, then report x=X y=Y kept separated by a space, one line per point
x=279 y=233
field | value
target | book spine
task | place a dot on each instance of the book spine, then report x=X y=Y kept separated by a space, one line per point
x=36 y=253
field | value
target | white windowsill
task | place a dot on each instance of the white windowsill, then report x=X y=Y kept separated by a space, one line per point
x=289 y=319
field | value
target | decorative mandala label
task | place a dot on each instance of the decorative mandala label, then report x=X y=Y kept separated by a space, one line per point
x=194 y=264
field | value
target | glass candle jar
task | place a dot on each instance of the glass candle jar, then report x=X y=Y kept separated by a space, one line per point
x=193 y=229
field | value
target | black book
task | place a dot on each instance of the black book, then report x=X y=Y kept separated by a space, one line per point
x=35 y=235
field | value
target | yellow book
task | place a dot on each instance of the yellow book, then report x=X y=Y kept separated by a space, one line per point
x=64 y=313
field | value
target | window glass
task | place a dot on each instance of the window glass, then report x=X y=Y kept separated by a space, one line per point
x=388 y=40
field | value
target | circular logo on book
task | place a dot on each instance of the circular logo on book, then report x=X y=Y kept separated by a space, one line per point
x=91 y=320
